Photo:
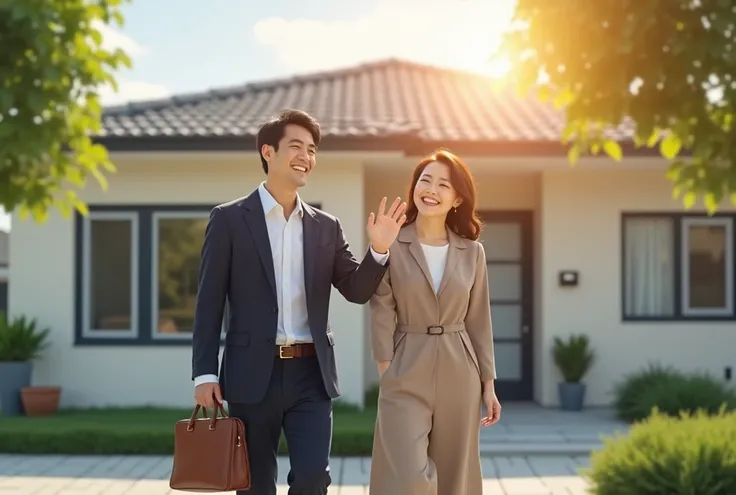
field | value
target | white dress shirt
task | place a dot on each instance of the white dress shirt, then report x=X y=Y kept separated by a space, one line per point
x=287 y=240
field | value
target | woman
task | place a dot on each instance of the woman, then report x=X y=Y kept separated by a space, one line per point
x=432 y=340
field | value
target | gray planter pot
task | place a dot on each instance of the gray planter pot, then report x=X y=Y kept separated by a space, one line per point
x=572 y=396
x=13 y=377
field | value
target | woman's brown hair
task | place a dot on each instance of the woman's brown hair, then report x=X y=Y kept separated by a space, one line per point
x=464 y=220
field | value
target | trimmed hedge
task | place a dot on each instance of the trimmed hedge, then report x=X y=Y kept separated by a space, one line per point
x=689 y=455
x=147 y=431
x=671 y=392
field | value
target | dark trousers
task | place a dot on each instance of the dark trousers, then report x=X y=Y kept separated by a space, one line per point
x=296 y=401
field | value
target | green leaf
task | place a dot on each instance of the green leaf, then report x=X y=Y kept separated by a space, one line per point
x=50 y=63
x=711 y=203
x=670 y=146
x=573 y=154
x=689 y=200
x=613 y=149
x=563 y=98
x=674 y=171
x=544 y=93
x=653 y=138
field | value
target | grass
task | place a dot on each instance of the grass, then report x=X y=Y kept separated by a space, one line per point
x=146 y=431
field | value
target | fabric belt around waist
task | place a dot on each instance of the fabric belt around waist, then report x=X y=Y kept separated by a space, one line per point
x=431 y=329
x=295 y=351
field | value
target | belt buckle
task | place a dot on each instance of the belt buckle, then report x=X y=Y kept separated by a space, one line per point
x=431 y=332
x=281 y=352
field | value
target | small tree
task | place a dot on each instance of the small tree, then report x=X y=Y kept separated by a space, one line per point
x=52 y=65
x=665 y=67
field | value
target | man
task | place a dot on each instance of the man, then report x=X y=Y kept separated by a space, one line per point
x=274 y=259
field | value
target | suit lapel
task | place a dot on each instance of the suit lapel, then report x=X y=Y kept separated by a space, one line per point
x=409 y=235
x=256 y=221
x=453 y=252
x=310 y=225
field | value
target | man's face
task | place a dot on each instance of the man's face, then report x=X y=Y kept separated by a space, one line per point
x=295 y=158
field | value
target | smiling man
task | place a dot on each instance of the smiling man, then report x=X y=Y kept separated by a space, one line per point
x=263 y=253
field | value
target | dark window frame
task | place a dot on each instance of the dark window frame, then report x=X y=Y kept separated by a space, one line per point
x=677 y=220
x=143 y=290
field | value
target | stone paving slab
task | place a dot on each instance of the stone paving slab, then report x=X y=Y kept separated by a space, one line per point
x=531 y=429
x=148 y=475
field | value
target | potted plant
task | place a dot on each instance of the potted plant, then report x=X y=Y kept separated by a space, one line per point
x=39 y=400
x=574 y=359
x=20 y=343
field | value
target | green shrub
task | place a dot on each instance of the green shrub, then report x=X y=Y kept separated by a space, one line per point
x=691 y=394
x=671 y=392
x=371 y=396
x=666 y=455
x=629 y=393
x=147 y=431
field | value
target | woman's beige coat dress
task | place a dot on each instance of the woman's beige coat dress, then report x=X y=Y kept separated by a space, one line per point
x=440 y=345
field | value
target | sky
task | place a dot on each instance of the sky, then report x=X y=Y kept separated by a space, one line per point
x=181 y=46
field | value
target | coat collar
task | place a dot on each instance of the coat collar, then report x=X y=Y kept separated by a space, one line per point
x=255 y=201
x=408 y=235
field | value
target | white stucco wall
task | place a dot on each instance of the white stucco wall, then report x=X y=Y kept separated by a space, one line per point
x=581 y=230
x=43 y=271
x=576 y=226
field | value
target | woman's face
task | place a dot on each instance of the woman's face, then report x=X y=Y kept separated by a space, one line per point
x=434 y=194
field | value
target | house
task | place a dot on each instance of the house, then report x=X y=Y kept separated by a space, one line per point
x=600 y=248
x=4 y=258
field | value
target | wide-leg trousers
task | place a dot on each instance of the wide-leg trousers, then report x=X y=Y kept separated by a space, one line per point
x=429 y=411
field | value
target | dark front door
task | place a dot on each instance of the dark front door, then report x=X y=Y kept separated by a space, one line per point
x=507 y=239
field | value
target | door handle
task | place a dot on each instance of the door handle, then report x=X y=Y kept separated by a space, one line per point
x=525 y=329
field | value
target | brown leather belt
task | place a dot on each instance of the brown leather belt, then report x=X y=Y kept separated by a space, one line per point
x=295 y=351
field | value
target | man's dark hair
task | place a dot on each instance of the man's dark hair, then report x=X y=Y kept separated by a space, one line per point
x=272 y=131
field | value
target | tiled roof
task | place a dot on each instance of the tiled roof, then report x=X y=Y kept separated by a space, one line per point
x=379 y=101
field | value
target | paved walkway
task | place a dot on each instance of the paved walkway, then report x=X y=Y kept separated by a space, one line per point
x=148 y=475
x=530 y=429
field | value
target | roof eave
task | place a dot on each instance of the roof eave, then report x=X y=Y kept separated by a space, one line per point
x=407 y=144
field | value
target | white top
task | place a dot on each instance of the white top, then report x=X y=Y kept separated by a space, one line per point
x=436 y=257
x=286 y=238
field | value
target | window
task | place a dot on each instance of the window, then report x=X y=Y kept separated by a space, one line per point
x=707 y=266
x=177 y=246
x=138 y=274
x=678 y=267
x=110 y=307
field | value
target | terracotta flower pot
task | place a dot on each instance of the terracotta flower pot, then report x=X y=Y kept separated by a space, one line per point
x=40 y=401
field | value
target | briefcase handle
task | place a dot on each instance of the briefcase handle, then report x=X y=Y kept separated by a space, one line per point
x=213 y=419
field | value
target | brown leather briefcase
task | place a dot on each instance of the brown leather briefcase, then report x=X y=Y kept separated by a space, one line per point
x=210 y=454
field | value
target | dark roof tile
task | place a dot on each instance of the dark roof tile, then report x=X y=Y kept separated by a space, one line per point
x=379 y=99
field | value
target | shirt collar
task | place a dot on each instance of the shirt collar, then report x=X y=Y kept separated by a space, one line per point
x=269 y=203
